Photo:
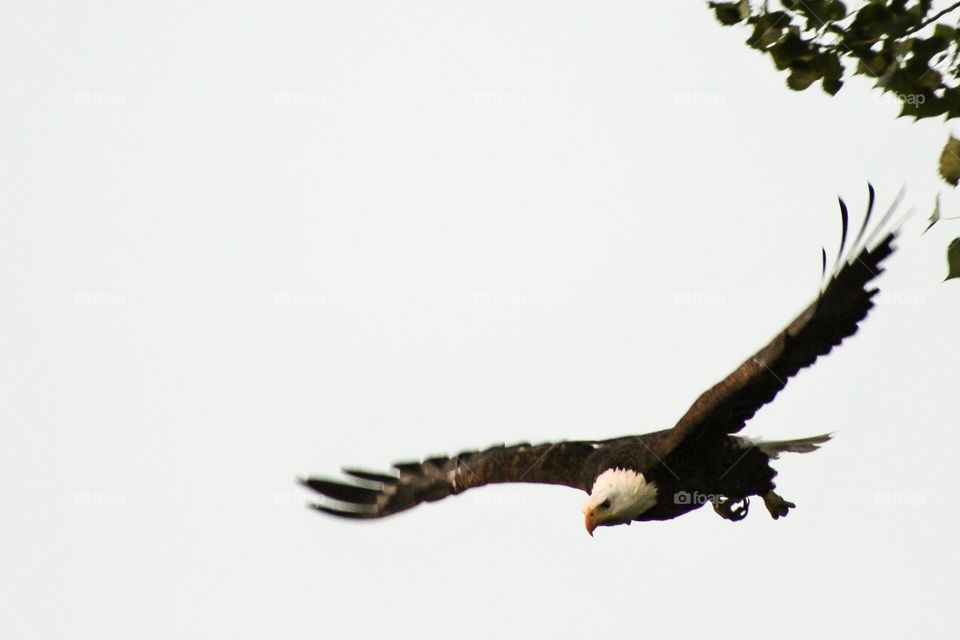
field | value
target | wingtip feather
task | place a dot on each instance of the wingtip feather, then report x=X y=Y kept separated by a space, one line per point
x=341 y=491
x=354 y=514
x=845 y=225
x=370 y=476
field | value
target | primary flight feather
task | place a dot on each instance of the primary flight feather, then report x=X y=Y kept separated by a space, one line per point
x=664 y=474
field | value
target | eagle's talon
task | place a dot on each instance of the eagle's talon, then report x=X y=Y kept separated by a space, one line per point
x=729 y=510
x=776 y=505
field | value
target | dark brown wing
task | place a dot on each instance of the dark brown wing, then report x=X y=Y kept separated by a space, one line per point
x=833 y=316
x=374 y=495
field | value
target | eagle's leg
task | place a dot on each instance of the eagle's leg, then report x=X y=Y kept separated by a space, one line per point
x=728 y=509
x=777 y=506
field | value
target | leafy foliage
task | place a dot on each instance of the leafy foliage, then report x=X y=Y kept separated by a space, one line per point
x=953 y=259
x=906 y=46
x=950 y=161
x=899 y=43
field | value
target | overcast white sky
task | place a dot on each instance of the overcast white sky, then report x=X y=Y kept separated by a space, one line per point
x=246 y=244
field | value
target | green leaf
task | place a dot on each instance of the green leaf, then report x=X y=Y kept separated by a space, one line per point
x=819 y=12
x=825 y=41
x=953 y=260
x=729 y=13
x=950 y=162
x=874 y=64
x=803 y=75
x=767 y=29
x=925 y=48
x=835 y=10
x=945 y=31
x=951 y=97
x=831 y=85
x=871 y=22
x=791 y=49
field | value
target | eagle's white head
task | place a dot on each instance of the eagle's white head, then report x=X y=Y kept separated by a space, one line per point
x=618 y=496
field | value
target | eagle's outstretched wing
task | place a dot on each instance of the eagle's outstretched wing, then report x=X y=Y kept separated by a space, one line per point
x=833 y=316
x=374 y=495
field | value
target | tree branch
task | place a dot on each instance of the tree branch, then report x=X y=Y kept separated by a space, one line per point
x=932 y=19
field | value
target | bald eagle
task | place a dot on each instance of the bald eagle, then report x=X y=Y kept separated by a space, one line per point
x=664 y=474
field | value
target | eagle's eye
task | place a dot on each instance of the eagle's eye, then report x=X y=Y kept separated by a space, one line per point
x=605 y=504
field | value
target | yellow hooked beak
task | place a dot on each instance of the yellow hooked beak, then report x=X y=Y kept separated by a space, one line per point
x=588 y=521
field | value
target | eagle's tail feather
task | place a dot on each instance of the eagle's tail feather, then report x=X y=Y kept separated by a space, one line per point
x=800 y=445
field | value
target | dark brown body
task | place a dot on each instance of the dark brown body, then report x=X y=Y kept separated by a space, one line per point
x=702 y=471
